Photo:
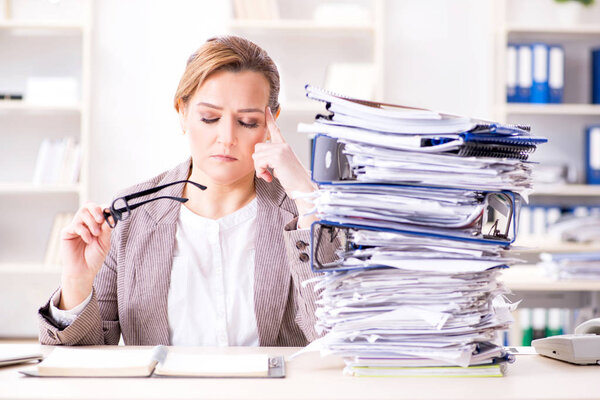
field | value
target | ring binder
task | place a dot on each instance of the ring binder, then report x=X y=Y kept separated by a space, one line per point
x=501 y=233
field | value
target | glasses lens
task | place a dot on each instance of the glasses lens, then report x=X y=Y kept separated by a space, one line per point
x=121 y=209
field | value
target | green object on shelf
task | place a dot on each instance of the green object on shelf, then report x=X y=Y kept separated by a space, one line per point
x=584 y=2
x=554 y=326
x=526 y=326
x=527 y=336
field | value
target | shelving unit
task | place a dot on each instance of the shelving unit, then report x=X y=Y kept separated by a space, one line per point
x=563 y=124
x=45 y=39
x=534 y=289
x=553 y=109
x=29 y=188
x=303 y=47
x=579 y=29
x=296 y=25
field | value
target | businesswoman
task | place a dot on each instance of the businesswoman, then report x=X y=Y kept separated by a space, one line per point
x=224 y=268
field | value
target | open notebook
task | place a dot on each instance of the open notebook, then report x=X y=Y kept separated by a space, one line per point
x=158 y=361
x=19 y=353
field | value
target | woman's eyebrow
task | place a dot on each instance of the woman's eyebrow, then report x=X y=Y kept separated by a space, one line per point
x=242 y=110
x=250 y=110
x=209 y=105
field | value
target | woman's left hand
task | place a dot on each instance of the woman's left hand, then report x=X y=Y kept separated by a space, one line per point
x=279 y=156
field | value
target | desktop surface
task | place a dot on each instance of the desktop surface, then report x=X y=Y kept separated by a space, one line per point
x=311 y=377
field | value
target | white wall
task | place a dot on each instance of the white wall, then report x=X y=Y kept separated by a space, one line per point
x=139 y=52
x=438 y=55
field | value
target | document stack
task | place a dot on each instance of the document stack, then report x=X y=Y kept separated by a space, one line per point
x=407 y=194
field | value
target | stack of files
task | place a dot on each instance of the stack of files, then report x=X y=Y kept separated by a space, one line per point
x=385 y=143
x=571 y=265
x=397 y=304
x=422 y=226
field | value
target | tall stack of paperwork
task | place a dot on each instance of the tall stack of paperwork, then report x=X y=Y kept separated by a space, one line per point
x=424 y=206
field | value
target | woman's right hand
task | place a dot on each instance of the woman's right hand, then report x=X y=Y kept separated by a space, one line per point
x=84 y=245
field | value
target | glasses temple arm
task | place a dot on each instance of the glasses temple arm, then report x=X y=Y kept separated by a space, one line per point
x=141 y=203
x=158 y=188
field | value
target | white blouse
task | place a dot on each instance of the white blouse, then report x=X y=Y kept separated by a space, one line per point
x=211 y=294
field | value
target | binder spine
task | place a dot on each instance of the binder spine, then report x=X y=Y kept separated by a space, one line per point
x=539 y=89
x=593 y=155
x=556 y=76
x=596 y=76
x=524 y=74
x=511 y=74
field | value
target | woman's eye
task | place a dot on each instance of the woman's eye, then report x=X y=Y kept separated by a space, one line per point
x=248 y=125
x=210 y=121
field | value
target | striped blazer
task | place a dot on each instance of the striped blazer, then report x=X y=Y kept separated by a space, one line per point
x=130 y=291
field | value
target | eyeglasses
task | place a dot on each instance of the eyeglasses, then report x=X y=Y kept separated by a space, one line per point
x=120 y=209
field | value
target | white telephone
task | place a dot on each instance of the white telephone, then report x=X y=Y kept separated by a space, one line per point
x=582 y=347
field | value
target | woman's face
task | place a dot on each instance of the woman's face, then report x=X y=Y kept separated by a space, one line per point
x=224 y=120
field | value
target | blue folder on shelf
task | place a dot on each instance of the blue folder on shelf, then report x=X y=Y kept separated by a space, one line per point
x=525 y=72
x=592 y=154
x=596 y=76
x=556 y=74
x=512 y=66
x=540 y=72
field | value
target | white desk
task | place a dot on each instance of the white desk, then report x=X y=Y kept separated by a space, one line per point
x=310 y=377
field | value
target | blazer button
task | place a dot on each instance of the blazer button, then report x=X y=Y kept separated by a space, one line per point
x=300 y=245
x=304 y=257
x=51 y=334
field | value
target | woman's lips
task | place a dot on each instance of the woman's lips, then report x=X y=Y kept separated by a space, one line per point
x=222 y=157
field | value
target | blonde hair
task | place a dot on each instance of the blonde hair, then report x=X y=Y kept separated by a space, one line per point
x=227 y=53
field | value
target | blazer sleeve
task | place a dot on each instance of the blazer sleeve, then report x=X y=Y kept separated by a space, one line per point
x=303 y=296
x=98 y=323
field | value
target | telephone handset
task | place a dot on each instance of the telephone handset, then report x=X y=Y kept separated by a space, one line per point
x=582 y=347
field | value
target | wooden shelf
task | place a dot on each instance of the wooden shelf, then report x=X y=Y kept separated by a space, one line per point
x=30 y=188
x=582 y=29
x=299 y=25
x=19 y=105
x=535 y=245
x=552 y=109
x=29 y=268
x=532 y=278
x=566 y=190
x=39 y=25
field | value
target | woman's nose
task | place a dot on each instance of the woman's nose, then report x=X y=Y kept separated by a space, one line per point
x=226 y=134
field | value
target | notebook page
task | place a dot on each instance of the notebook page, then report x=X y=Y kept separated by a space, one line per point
x=97 y=362
x=214 y=365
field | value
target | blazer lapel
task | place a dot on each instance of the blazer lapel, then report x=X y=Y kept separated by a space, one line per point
x=271 y=271
x=149 y=249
